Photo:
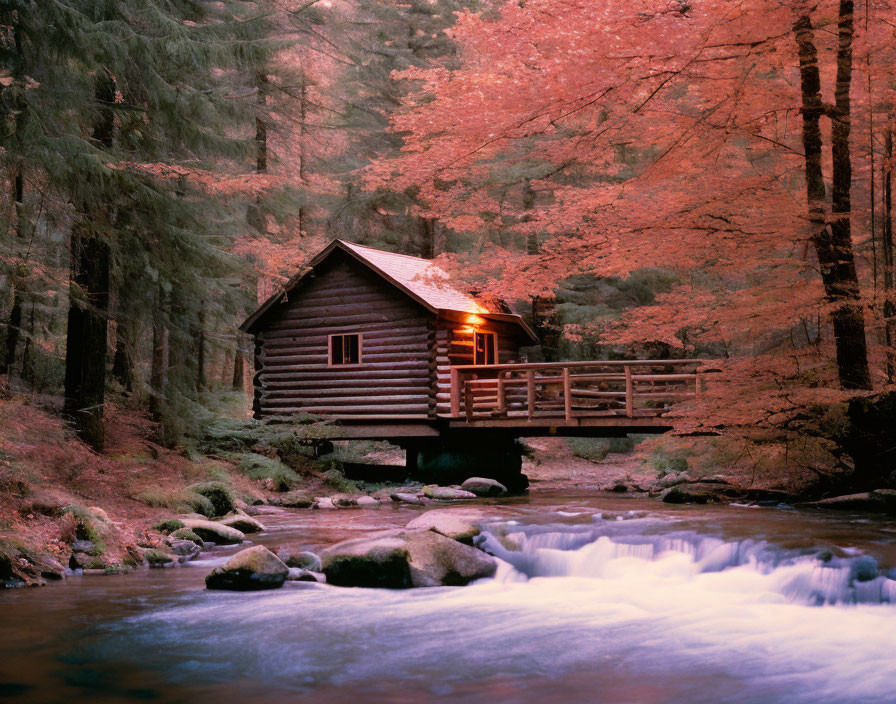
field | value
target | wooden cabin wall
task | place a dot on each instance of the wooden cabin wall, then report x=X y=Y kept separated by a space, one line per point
x=394 y=380
x=454 y=346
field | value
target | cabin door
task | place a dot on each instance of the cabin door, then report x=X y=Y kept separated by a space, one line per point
x=485 y=348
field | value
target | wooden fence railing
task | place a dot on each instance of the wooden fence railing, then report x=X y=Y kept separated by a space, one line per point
x=569 y=390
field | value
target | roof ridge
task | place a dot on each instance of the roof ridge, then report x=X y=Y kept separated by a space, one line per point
x=393 y=254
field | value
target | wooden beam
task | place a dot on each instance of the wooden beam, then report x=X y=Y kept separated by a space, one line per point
x=530 y=392
x=502 y=399
x=567 y=394
x=629 y=392
x=455 y=392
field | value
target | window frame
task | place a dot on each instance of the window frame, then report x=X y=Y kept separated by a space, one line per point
x=494 y=337
x=331 y=363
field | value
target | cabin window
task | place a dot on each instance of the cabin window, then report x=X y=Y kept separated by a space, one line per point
x=485 y=348
x=345 y=349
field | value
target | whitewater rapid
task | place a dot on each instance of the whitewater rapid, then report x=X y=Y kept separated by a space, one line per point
x=627 y=610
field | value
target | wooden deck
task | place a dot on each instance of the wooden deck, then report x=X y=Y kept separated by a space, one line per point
x=636 y=394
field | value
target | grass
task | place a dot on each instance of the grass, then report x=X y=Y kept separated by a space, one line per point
x=177 y=501
x=261 y=467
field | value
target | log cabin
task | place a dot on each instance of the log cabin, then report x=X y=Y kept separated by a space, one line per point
x=387 y=347
x=369 y=337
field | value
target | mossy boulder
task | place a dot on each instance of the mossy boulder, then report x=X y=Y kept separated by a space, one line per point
x=251 y=569
x=159 y=558
x=693 y=494
x=184 y=549
x=246 y=524
x=368 y=562
x=292 y=499
x=214 y=532
x=302 y=559
x=186 y=534
x=218 y=494
x=454 y=524
x=169 y=525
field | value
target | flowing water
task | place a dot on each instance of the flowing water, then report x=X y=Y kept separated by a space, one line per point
x=597 y=599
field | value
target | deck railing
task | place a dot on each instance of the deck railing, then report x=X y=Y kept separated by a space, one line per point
x=570 y=390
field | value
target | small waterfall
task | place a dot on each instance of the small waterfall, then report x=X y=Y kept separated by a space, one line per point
x=614 y=550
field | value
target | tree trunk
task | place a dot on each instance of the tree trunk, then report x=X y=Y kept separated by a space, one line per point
x=13 y=326
x=14 y=323
x=427 y=244
x=303 y=113
x=85 y=355
x=159 y=361
x=200 y=352
x=27 y=371
x=832 y=242
x=256 y=216
x=238 y=374
x=529 y=194
x=889 y=304
x=122 y=362
x=85 y=358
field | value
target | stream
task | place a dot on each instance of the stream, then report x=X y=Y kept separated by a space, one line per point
x=610 y=599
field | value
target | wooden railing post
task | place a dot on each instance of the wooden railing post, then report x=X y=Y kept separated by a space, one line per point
x=468 y=400
x=567 y=394
x=629 y=392
x=455 y=393
x=530 y=392
x=502 y=397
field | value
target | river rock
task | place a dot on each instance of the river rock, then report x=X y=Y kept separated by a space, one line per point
x=482 y=486
x=445 y=493
x=159 y=558
x=184 y=549
x=186 y=534
x=214 y=532
x=323 y=502
x=86 y=546
x=452 y=524
x=691 y=494
x=303 y=559
x=343 y=500
x=437 y=561
x=292 y=499
x=862 y=501
x=886 y=498
x=367 y=501
x=249 y=570
x=368 y=562
x=243 y=523
x=669 y=480
x=407 y=498
x=297 y=574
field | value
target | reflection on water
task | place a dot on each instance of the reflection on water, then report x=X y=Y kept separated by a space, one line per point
x=597 y=599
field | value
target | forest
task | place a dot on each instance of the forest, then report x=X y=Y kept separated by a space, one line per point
x=638 y=178
x=448 y=351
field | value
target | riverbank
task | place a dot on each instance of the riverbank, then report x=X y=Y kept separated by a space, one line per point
x=55 y=493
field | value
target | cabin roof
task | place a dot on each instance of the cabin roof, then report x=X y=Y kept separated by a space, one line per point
x=425 y=282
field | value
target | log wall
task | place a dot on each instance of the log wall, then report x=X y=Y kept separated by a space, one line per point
x=454 y=346
x=397 y=371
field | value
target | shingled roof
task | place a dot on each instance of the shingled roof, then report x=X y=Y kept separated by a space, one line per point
x=421 y=279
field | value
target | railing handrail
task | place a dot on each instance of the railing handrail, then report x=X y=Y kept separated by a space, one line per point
x=560 y=365
x=465 y=379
